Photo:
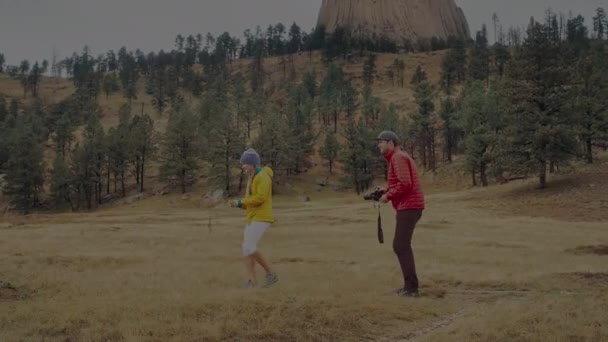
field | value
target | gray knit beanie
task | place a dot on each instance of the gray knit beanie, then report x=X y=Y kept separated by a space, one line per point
x=251 y=157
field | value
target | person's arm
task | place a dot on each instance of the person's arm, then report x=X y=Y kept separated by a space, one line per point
x=402 y=171
x=261 y=195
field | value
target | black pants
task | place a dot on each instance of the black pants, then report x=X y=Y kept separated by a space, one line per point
x=402 y=245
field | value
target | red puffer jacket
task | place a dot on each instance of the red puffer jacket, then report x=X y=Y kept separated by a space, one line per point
x=404 y=189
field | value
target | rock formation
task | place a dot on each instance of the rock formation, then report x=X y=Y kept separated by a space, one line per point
x=398 y=20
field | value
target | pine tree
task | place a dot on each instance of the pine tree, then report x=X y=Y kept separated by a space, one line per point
x=330 y=150
x=356 y=156
x=24 y=169
x=119 y=150
x=225 y=140
x=299 y=120
x=144 y=143
x=600 y=25
x=63 y=135
x=449 y=71
x=399 y=70
x=3 y=110
x=239 y=98
x=110 y=84
x=540 y=130
x=590 y=99
x=479 y=66
x=501 y=57
x=295 y=39
x=61 y=183
x=272 y=144
x=156 y=85
x=181 y=148
x=451 y=129
x=482 y=119
x=424 y=123
x=129 y=74
x=419 y=76
x=371 y=107
x=33 y=79
x=2 y=61
x=369 y=70
x=4 y=134
x=331 y=90
x=309 y=80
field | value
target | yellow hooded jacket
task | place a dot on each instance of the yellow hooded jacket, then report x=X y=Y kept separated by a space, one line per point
x=258 y=200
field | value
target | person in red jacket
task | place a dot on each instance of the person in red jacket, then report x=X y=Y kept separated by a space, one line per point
x=405 y=194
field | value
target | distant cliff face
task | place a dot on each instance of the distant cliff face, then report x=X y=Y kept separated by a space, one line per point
x=396 y=19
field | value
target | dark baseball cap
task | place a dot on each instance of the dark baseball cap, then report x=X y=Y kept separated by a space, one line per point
x=388 y=136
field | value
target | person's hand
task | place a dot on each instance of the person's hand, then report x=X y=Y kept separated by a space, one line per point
x=384 y=198
x=234 y=204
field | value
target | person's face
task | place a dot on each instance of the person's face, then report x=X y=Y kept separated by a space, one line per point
x=384 y=146
x=249 y=169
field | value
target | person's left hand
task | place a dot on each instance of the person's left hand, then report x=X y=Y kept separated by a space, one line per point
x=384 y=199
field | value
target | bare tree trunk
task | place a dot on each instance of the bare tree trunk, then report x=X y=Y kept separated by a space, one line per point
x=542 y=174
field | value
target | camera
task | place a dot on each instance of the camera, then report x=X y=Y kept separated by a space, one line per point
x=374 y=195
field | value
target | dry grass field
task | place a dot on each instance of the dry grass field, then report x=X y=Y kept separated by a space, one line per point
x=507 y=263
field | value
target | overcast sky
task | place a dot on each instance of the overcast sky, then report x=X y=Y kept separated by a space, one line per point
x=30 y=29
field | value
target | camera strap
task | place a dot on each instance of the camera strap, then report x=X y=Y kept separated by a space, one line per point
x=380 y=231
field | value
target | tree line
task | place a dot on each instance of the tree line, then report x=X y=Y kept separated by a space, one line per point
x=525 y=108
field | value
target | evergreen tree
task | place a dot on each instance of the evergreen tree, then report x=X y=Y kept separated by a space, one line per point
x=590 y=99
x=2 y=61
x=61 y=183
x=144 y=144
x=451 y=129
x=309 y=80
x=539 y=128
x=399 y=71
x=330 y=150
x=424 y=124
x=369 y=70
x=356 y=156
x=24 y=168
x=299 y=120
x=110 y=84
x=129 y=74
x=3 y=110
x=63 y=135
x=181 y=148
x=156 y=85
x=479 y=66
x=272 y=144
x=600 y=25
x=501 y=57
x=419 y=76
x=482 y=120
x=119 y=150
x=295 y=39
x=225 y=140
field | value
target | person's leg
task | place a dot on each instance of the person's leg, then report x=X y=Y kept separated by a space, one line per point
x=253 y=234
x=402 y=245
x=259 y=258
x=250 y=266
x=248 y=236
x=271 y=277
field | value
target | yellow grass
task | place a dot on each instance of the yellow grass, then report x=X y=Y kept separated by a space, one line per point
x=165 y=269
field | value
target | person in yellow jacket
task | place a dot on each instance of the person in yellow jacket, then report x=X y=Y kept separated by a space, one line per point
x=258 y=204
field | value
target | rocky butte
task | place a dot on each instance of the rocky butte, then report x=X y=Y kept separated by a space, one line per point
x=398 y=20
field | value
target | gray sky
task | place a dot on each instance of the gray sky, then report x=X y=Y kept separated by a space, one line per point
x=29 y=29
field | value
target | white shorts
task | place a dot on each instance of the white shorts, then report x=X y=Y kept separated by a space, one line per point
x=252 y=235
